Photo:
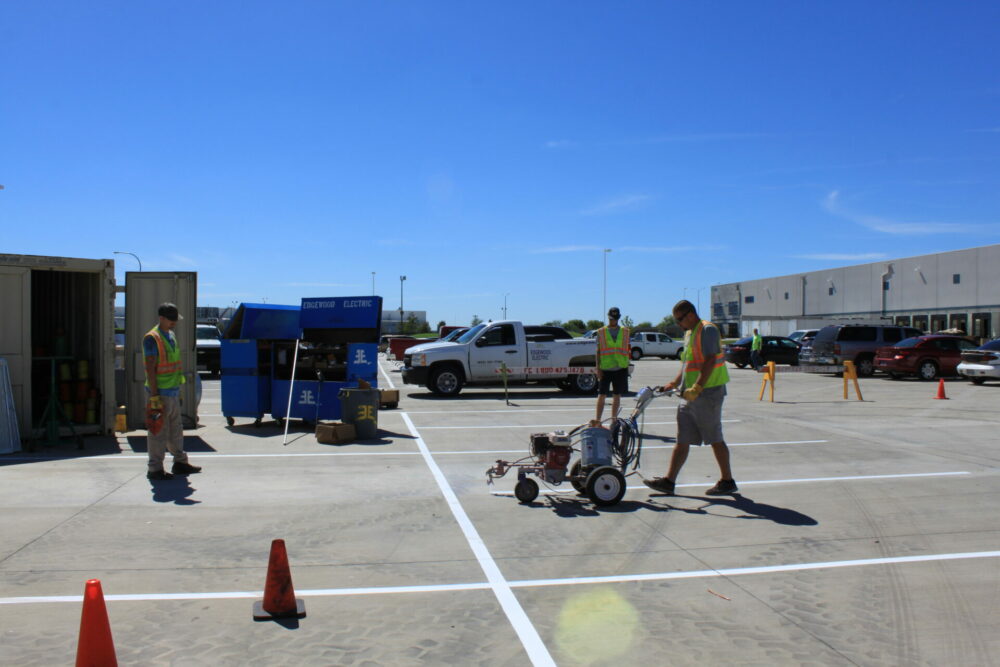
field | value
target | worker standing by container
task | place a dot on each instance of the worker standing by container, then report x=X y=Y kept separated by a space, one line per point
x=164 y=377
x=612 y=364
x=702 y=381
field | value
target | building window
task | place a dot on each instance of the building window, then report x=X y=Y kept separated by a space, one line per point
x=885 y=285
x=717 y=311
x=733 y=307
x=748 y=299
x=830 y=290
x=786 y=296
x=956 y=279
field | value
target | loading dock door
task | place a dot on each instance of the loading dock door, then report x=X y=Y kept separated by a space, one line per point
x=144 y=292
x=15 y=338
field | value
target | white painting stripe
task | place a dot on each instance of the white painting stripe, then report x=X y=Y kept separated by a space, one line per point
x=530 y=639
x=386 y=376
x=508 y=426
x=526 y=583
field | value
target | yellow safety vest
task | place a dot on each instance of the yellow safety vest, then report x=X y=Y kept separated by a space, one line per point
x=168 y=362
x=612 y=353
x=693 y=359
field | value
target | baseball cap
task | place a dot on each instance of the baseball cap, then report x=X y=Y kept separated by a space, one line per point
x=169 y=311
x=614 y=312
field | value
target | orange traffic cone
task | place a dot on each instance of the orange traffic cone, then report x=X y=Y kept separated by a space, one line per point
x=279 y=595
x=95 y=647
x=940 y=394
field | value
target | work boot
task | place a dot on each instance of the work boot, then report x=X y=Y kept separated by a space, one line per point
x=661 y=484
x=184 y=468
x=159 y=475
x=724 y=487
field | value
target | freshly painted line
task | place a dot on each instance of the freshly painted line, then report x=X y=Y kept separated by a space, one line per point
x=458 y=428
x=739 y=571
x=525 y=583
x=856 y=478
x=645 y=447
x=530 y=639
x=490 y=412
x=386 y=376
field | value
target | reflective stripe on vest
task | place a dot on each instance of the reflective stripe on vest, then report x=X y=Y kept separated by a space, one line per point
x=693 y=359
x=612 y=353
x=168 y=362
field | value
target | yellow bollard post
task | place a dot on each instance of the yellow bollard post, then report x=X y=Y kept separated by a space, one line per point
x=771 y=374
x=851 y=373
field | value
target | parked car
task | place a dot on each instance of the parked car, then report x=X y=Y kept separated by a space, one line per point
x=452 y=335
x=927 y=357
x=779 y=349
x=837 y=343
x=208 y=349
x=652 y=344
x=803 y=336
x=981 y=364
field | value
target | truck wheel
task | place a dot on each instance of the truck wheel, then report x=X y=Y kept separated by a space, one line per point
x=445 y=381
x=636 y=354
x=679 y=350
x=606 y=486
x=585 y=383
x=526 y=490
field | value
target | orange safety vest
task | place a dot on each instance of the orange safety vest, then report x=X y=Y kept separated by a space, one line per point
x=693 y=358
x=612 y=353
x=168 y=362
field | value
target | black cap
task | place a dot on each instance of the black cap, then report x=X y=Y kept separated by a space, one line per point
x=614 y=312
x=169 y=311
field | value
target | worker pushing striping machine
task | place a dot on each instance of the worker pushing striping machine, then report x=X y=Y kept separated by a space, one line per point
x=606 y=454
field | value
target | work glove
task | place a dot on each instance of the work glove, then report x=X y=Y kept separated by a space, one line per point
x=155 y=402
x=692 y=393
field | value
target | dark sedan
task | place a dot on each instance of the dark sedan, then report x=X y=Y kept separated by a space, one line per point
x=779 y=349
x=927 y=357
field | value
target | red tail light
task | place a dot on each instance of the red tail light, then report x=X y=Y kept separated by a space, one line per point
x=836 y=348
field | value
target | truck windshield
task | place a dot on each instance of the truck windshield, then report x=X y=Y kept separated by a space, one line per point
x=471 y=333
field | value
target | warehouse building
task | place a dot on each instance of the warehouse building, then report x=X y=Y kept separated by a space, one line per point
x=949 y=290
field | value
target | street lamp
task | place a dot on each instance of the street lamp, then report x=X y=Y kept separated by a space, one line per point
x=505 y=304
x=401 y=279
x=119 y=252
x=373 y=283
x=698 y=291
x=606 y=251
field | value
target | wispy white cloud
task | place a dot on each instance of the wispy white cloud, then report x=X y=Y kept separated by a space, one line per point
x=181 y=259
x=669 y=249
x=833 y=205
x=616 y=205
x=844 y=257
x=560 y=144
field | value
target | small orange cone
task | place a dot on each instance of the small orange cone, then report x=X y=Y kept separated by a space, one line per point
x=940 y=394
x=279 y=595
x=95 y=647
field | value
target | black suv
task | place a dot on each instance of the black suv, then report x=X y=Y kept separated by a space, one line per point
x=838 y=343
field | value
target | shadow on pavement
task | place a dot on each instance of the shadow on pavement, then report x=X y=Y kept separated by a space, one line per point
x=192 y=443
x=177 y=491
x=750 y=508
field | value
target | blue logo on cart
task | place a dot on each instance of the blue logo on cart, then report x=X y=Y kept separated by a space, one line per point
x=341 y=312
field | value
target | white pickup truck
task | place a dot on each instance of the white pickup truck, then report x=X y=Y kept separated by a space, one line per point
x=476 y=358
x=652 y=344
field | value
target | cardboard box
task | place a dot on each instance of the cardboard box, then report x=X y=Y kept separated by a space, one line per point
x=335 y=433
x=389 y=398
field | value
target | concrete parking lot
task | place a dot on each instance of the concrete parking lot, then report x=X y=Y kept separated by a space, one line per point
x=865 y=533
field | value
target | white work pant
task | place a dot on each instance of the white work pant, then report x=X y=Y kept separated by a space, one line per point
x=171 y=436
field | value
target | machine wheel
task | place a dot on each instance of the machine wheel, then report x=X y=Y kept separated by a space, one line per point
x=232 y=422
x=606 y=486
x=445 y=381
x=574 y=472
x=585 y=383
x=636 y=354
x=526 y=490
x=927 y=370
x=865 y=366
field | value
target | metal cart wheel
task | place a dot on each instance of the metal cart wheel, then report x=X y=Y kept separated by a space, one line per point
x=574 y=474
x=526 y=490
x=256 y=422
x=280 y=421
x=606 y=486
x=230 y=421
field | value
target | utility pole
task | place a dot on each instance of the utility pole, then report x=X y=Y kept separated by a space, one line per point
x=604 y=311
x=373 y=283
x=505 y=304
x=401 y=279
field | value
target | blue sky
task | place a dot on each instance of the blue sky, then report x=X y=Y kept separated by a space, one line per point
x=290 y=149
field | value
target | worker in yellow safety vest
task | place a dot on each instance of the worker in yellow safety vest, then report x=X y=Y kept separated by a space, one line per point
x=702 y=382
x=164 y=377
x=612 y=364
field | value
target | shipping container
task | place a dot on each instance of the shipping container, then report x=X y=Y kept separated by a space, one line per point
x=57 y=335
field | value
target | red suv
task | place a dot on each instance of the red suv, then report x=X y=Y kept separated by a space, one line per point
x=927 y=357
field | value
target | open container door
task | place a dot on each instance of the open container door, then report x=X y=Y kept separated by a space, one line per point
x=144 y=292
x=15 y=338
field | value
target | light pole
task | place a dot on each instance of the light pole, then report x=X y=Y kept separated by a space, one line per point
x=401 y=279
x=373 y=283
x=605 y=307
x=698 y=298
x=505 y=304
x=119 y=252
